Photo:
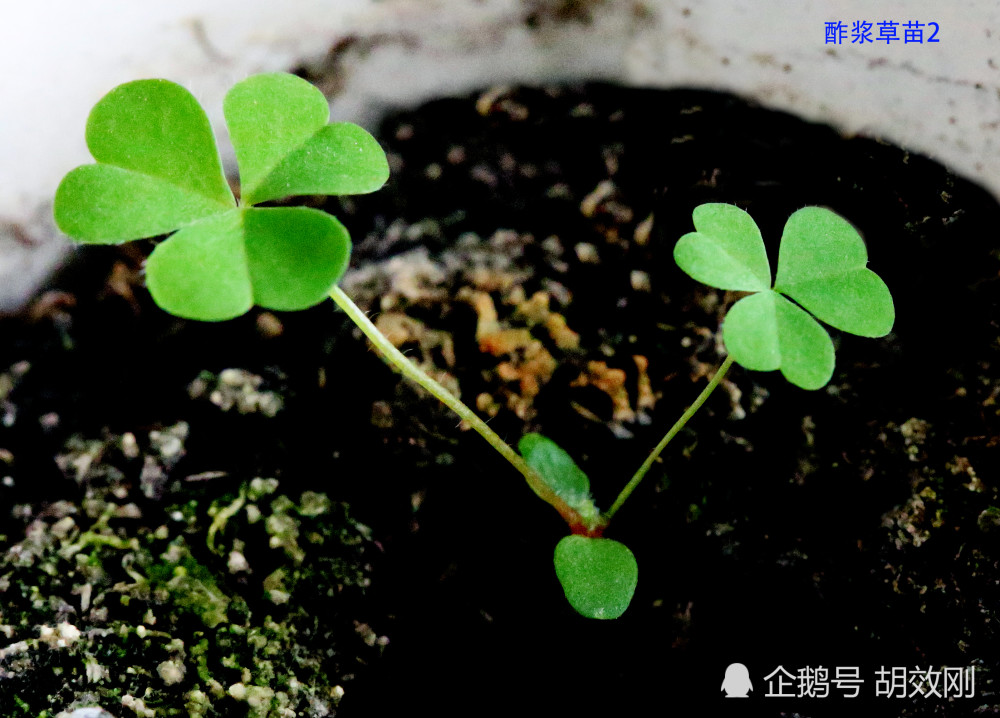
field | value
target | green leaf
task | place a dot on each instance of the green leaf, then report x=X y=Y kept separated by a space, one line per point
x=765 y=332
x=158 y=171
x=295 y=254
x=281 y=258
x=558 y=470
x=158 y=167
x=201 y=271
x=726 y=252
x=100 y=204
x=598 y=575
x=284 y=146
x=822 y=265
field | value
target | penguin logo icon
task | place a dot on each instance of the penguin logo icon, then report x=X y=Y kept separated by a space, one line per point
x=737 y=681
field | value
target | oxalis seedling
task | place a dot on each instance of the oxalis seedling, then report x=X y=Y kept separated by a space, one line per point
x=158 y=172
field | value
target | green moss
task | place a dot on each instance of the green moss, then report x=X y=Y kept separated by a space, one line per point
x=163 y=613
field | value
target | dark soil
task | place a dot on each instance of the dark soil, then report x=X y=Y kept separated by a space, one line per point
x=853 y=526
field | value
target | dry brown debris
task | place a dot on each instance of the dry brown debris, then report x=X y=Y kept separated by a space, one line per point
x=646 y=398
x=611 y=382
x=529 y=363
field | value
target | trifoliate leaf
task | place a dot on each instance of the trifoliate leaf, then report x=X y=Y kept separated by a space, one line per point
x=158 y=171
x=821 y=265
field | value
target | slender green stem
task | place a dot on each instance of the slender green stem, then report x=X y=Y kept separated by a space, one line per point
x=417 y=375
x=651 y=459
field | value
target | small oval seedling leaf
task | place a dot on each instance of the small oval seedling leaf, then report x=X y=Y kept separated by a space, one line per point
x=158 y=167
x=822 y=265
x=726 y=251
x=558 y=470
x=598 y=575
x=282 y=258
x=284 y=146
x=765 y=332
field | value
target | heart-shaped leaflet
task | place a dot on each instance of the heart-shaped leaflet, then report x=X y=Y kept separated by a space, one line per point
x=284 y=146
x=157 y=168
x=765 y=332
x=726 y=251
x=823 y=265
